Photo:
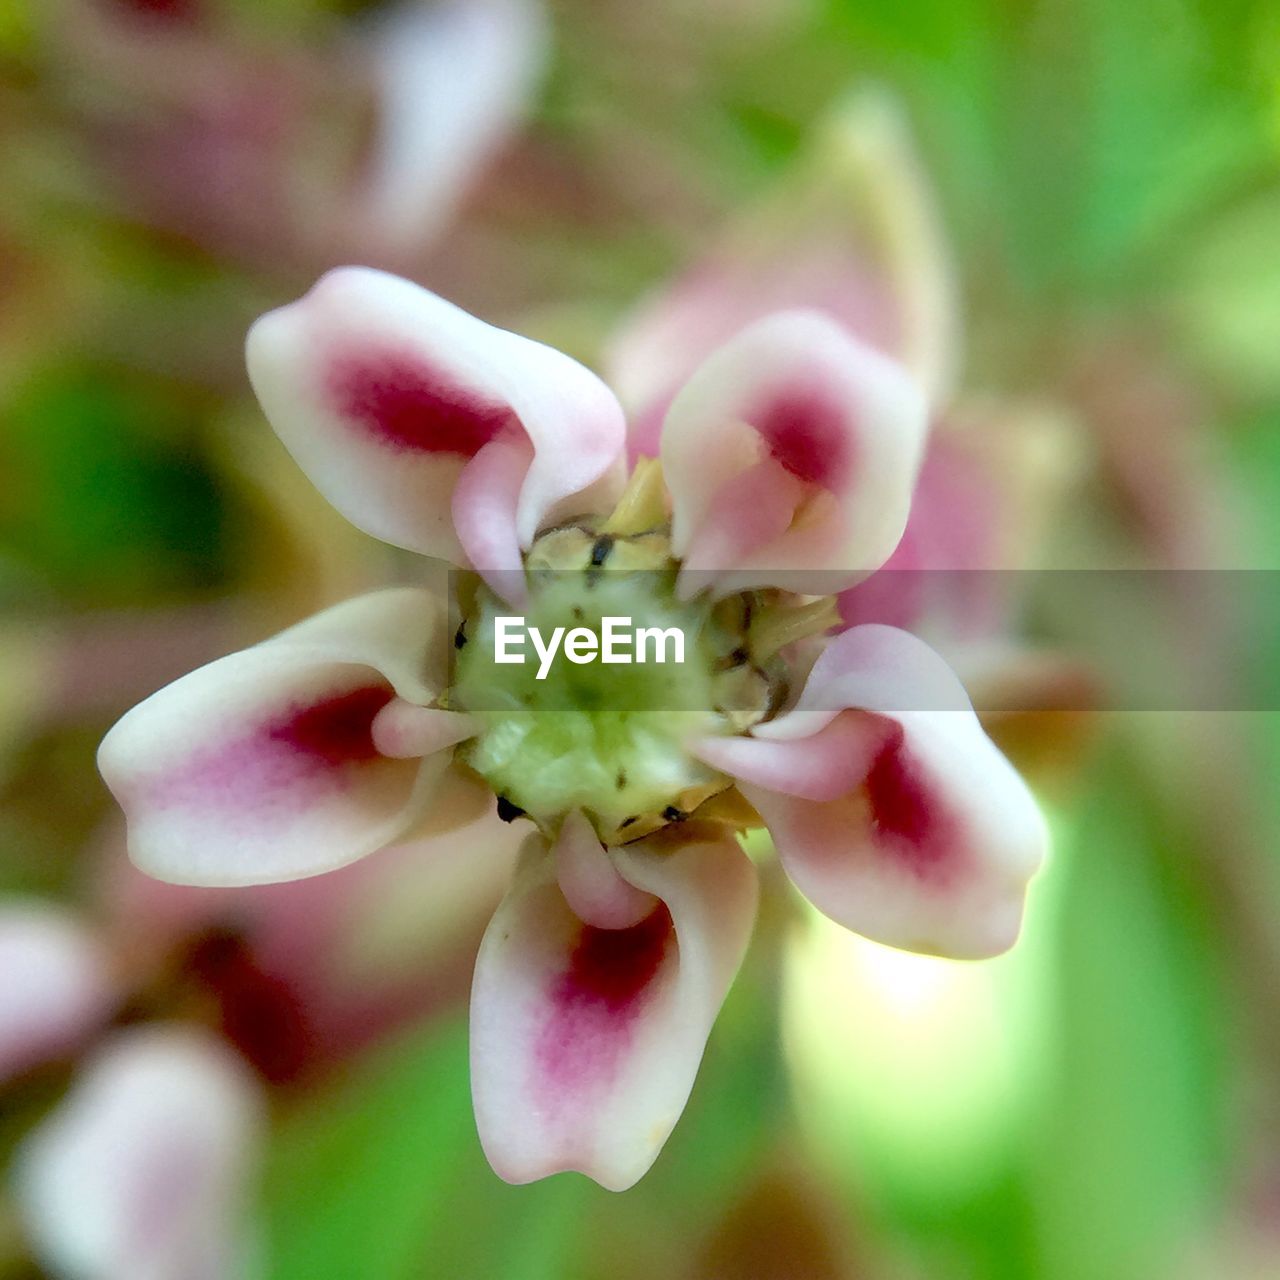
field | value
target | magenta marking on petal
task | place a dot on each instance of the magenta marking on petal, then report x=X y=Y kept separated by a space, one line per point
x=611 y=967
x=806 y=433
x=905 y=814
x=597 y=998
x=409 y=406
x=279 y=764
x=338 y=730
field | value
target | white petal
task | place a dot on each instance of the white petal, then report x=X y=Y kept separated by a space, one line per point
x=142 y=1172
x=57 y=985
x=891 y=809
x=453 y=80
x=791 y=410
x=585 y=1041
x=385 y=394
x=263 y=765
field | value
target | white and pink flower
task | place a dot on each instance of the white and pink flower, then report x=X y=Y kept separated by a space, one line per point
x=852 y=230
x=289 y=156
x=789 y=457
x=58 y=985
x=143 y=1170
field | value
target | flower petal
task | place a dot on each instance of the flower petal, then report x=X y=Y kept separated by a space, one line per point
x=795 y=408
x=851 y=231
x=453 y=80
x=354 y=955
x=403 y=730
x=57 y=985
x=891 y=809
x=484 y=505
x=143 y=1171
x=265 y=764
x=386 y=394
x=593 y=888
x=942 y=578
x=585 y=1041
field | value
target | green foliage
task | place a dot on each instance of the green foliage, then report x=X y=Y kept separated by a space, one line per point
x=1132 y=128
x=106 y=496
x=1224 y=295
x=1127 y=1168
x=17 y=27
x=382 y=1175
x=1092 y=133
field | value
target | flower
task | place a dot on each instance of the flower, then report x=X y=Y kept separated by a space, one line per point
x=142 y=1169
x=852 y=230
x=282 y=155
x=787 y=464
x=142 y=1172
x=58 y=986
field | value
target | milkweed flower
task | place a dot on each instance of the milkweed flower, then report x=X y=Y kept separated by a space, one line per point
x=58 y=987
x=375 y=134
x=143 y=1169
x=853 y=230
x=787 y=463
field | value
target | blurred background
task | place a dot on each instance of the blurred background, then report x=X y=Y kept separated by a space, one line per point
x=1064 y=213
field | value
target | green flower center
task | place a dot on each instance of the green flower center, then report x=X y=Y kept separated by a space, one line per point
x=607 y=737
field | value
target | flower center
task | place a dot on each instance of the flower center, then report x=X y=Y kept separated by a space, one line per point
x=600 y=724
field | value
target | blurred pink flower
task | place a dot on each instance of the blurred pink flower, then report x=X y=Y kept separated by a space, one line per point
x=143 y=1171
x=58 y=985
x=295 y=156
x=853 y=231
x=302 y=975
x=788 y=460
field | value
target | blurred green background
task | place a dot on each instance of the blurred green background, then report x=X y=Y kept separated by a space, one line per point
x=1101 y=1104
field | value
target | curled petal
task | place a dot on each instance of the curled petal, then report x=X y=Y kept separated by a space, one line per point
x=405 y=731
x=143 y=1171
x=453 y=80
x=891 y=809
x=822 y=433
x=594 y=889
x=484 y=508
x=585 y=1041
x=265 y=765
x=57 y=986
x=386 y=395
x=821 y=765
